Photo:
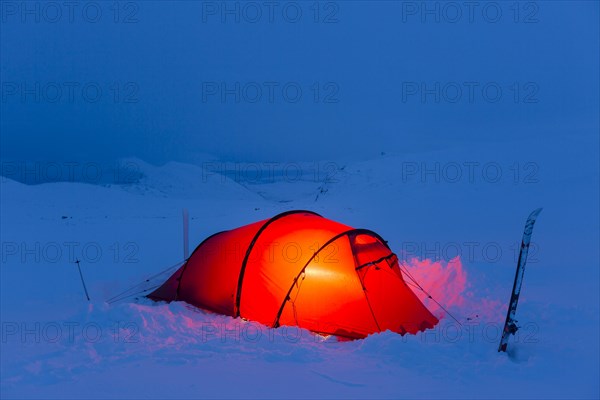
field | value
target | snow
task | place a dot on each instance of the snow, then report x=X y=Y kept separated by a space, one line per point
x=57 y=345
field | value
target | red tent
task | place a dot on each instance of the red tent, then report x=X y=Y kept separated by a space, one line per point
x=300 y=269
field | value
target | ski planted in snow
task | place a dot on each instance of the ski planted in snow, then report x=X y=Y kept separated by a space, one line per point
x=510 y=326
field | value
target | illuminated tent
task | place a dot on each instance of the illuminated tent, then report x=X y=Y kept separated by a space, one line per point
x=300 y=269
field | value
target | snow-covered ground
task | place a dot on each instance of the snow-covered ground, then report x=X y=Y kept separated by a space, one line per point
x=456 y=226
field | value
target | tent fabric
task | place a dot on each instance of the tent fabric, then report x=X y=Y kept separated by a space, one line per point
x=300 y=269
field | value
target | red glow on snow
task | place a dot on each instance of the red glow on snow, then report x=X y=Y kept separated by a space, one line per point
x=445 y=281
x=448 y=283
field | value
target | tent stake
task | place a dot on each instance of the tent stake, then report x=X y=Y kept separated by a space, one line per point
x=186 y=242
x=82 y=281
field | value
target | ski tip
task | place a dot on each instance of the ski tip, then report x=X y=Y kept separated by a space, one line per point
x=536 y=212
